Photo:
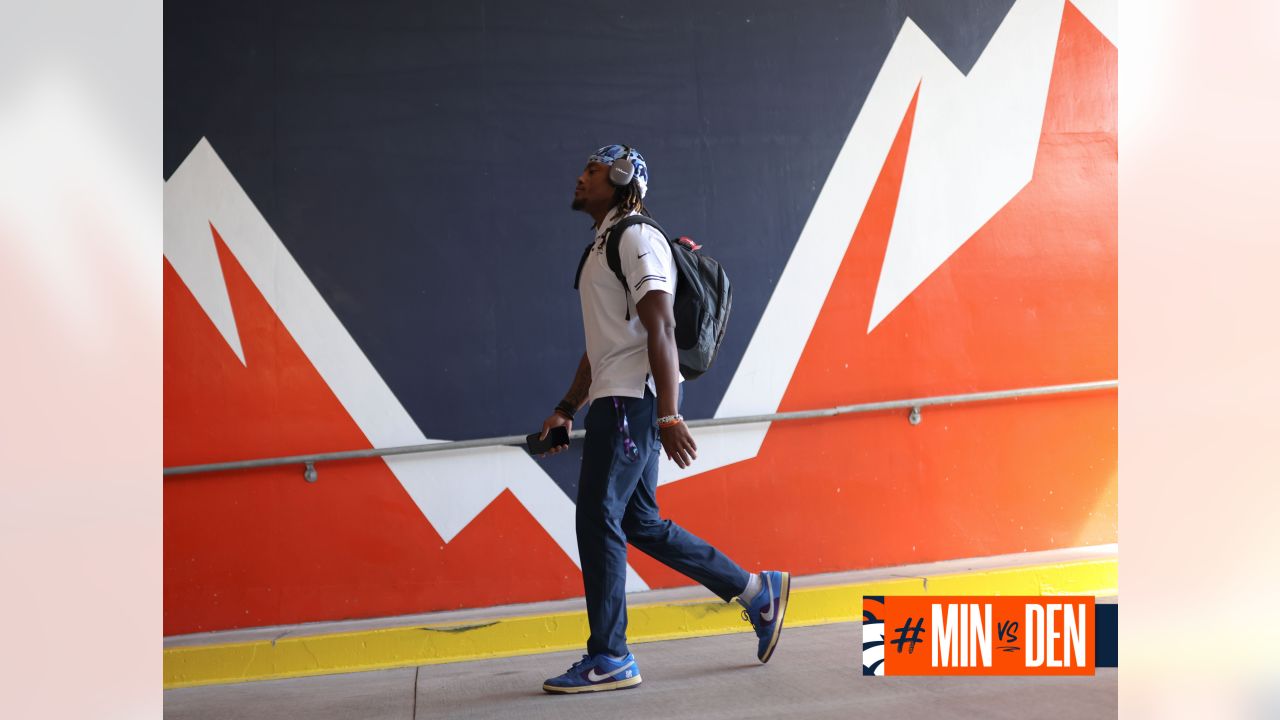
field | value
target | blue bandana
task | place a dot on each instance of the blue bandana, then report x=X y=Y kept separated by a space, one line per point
x=609 y=153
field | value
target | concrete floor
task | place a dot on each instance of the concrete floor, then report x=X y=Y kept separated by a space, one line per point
x=815 y=673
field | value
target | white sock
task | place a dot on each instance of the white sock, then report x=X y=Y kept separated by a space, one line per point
x=754 y=585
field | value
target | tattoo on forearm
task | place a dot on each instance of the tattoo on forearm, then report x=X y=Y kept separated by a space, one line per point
x=577 y=394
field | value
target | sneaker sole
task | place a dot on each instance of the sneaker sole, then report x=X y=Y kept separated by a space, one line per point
x=782 y=614
x=615 y=685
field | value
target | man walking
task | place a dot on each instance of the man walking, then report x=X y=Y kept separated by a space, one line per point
x=631 y=378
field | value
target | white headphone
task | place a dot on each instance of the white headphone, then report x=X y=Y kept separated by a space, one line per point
x=622 y=170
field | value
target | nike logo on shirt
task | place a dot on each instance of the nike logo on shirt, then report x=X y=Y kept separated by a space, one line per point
x=640 y=256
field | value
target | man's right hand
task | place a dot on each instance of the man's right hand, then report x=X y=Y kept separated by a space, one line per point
x=555 y=420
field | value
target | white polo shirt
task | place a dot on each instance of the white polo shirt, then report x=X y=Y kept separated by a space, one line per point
x=618 y=348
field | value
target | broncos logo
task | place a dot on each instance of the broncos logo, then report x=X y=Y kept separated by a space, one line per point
x=872 y=635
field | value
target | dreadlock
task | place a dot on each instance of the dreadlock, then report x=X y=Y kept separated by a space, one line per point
x=627 y=198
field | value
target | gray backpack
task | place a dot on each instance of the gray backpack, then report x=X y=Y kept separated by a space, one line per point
x=703 y=297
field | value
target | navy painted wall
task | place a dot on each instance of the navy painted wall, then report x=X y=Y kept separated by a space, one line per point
x=418 y=160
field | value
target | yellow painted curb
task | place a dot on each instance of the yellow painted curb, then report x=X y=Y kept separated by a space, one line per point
x=530 y=634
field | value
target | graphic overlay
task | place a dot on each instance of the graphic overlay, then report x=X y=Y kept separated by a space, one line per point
x=1009 y=635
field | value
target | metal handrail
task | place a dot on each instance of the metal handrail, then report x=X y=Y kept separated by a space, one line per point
x=914 y=404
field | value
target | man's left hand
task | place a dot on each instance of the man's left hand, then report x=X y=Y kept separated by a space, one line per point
x=679 y=444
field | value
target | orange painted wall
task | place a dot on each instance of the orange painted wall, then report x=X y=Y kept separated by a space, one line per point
x=263 y=547
x=1029 y=300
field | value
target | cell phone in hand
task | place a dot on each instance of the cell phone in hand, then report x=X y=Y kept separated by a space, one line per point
x=557 y=437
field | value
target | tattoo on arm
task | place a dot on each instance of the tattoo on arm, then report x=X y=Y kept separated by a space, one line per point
x=577 y=394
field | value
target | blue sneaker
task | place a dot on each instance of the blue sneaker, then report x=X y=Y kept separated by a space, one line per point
x=594 y=673
x=766 y=610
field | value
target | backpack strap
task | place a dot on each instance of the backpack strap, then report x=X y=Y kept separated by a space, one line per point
x=577 y=278
x=612 y=241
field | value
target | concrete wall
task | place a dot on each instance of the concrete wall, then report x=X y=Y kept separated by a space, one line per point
x=366 y=215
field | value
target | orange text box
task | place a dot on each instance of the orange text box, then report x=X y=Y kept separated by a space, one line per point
x=1008 y=635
